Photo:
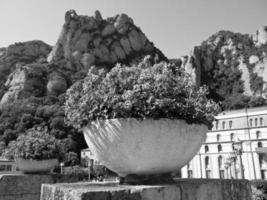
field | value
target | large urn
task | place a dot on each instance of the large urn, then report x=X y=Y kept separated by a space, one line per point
x=144 y=147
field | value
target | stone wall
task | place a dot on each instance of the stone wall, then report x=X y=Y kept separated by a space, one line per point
x=183 y=189
x=28 y=187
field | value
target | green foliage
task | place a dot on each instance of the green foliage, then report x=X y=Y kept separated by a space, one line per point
x=18 y=117
x=226 y=49
x=36 y=144
x=259 y=189
x=143 y=91
x=256 y=82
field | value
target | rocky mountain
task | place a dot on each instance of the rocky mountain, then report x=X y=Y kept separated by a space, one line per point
x=35 y=76
x=233 y=65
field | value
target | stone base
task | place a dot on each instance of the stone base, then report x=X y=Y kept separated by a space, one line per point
x=153 y=179
x=182 y=189
x=28 y=187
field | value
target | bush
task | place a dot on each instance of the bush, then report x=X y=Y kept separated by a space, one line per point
x=143 y=91
x=259 y=190
x=36 y=144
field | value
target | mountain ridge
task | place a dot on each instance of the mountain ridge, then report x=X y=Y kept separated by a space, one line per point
x=35 y=75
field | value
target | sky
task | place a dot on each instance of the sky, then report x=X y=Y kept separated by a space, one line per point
x=174 y=26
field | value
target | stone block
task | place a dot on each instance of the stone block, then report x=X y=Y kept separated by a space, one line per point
x=182 y=189
x=28 y=187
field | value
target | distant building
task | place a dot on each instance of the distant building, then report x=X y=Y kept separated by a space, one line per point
x=218 y=156
x=87 y=156
x=8 y=167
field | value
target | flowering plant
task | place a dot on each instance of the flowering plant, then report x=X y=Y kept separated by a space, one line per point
x=140 y=91
x=36 y=144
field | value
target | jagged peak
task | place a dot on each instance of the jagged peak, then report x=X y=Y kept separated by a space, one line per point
x=91 y=40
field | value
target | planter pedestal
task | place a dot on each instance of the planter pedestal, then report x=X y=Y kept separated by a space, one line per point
x=182 y=189
x=133 y=179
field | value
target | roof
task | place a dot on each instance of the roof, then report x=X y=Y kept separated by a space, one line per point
x=242 y=112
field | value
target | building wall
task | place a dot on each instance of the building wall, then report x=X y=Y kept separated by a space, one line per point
x=9 y=167
x=249 y=127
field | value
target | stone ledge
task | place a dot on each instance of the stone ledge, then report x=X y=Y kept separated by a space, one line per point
x=21 y=186
x=183 y=189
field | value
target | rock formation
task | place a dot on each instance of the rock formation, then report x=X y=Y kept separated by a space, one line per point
x=85 y=41
x=34 y=77
x=15 y=56
x=233 y=65
x=260 y=38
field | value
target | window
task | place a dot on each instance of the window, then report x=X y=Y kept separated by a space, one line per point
x=218 y=137
x=223 y=125
x=206 y=148
x=220 y=162
x=207 y=167
x=259 y=144
x=230 y=124
x=9 y=168
x=207 y=162
x=233 y=147
x=190 y=173
x=261 y=121
x=256 y=122
x=189 y=170
x=250 y=122
x=261 y=161
x=258 y=134
x=2 y=168
x=263 y=174
x=208 y=174
x=219 y=148
x=232 y=135
x=221 y=174
x=217 y=123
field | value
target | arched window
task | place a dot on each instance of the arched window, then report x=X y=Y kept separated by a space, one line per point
x=217 y=124
x=207 y=162
x=262 y=167
x=261 y=121
x=259 y=144
x=207 y=166
x=218 y=137
x=223 y=125
x=230 y=124
x=206 y=148
x=258 y=134
x=219 y=148
x=232 y=135
x=256 y=122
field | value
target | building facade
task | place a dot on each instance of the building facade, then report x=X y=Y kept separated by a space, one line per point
x=231 y=147
x=8 y=167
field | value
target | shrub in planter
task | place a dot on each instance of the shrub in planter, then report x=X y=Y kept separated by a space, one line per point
x=130 y=114
x=35 y=151
x=141 y=91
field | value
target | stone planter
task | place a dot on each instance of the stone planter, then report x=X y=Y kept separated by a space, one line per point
x=130 y=146
x=36 y=166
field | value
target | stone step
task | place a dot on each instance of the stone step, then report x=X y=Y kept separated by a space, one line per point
x=182 y=189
